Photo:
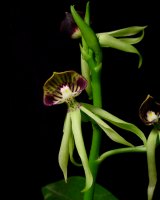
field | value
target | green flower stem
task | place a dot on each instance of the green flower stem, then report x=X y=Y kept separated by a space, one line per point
x=152 y=172
x=105 y=155
x=96 y=139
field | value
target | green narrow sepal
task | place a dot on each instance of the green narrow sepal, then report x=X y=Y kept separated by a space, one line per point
x=64 y=148
x=78 y=138
x=116 y=121
x=129 y=31
x=112 y=134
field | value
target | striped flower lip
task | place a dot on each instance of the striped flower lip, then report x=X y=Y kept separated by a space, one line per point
x=149 y=111
x=63 y=87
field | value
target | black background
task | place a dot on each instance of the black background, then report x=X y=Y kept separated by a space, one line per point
x=36 y=49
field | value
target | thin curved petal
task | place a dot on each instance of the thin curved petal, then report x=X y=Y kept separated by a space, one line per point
x=64 y=148
x=112 y=134
x=129 y=31
x=116 y=121
x=62 y=86
x=77 y=132
x=133 y=40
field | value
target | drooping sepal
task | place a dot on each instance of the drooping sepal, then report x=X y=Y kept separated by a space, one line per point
x=77 y=133
x=63 y=155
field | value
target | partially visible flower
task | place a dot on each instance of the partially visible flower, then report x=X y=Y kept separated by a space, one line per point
x=69 y=26
x=149 y=111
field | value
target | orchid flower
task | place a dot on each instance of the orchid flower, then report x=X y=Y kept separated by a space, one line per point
x=149 y=113
x=63 y=87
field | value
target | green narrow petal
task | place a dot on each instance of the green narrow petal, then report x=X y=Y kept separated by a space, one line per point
x=64 y=148
x=152 y=171
x=133 y=40
x=129 y=31
x=116 y=121
x=109 y=41
x=112 y=134
x=77 y=132
x=71 y=150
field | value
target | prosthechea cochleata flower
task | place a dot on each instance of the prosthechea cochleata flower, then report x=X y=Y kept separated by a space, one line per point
x=149 y=113
x=63 y=87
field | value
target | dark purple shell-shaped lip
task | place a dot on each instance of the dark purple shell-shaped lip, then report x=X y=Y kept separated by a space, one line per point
x=52 y=87
x=68 y=25
x=149 y=104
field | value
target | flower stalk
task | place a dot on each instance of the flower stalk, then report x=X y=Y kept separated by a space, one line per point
x=92 y=54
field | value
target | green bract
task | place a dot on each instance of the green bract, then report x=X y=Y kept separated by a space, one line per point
x=88 y=35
